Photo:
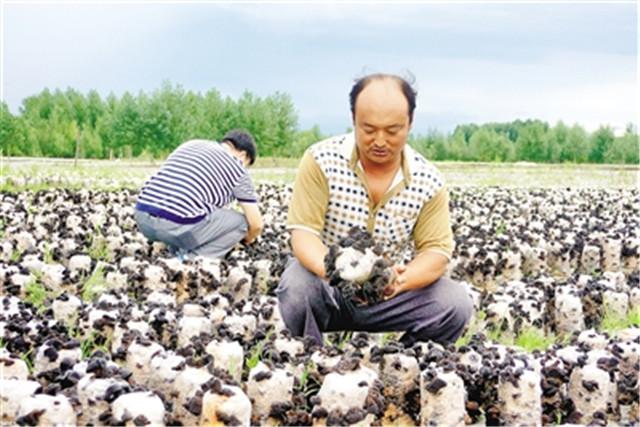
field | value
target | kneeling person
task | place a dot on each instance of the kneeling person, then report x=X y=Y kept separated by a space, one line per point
x=183 y=204
x=372 y=179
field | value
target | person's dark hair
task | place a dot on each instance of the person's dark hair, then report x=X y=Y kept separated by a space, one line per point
x=406 y=84
x=242 y=140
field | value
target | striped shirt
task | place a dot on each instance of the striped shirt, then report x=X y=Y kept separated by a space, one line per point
x=197 y=178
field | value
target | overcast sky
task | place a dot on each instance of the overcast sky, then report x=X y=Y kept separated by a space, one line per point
x=472 y=62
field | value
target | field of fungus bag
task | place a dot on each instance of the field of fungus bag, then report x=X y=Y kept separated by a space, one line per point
x=100 y=327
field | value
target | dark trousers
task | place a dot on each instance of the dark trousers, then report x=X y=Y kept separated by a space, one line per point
x=309 y=306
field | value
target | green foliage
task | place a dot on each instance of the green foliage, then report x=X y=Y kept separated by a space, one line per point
x=15 y=255
x=69 y=123
x=304 y=376
x=92 y=343
x=27 y=358
x=48 y=255
x=36 y=294
x=308 y=383
x=72 y=124
x=339 y=339
x=387 y=337
x=624 y=149
x=95 y=284
x=529 y=338
x=601 y=142
x=256 y=352
x=476 y=324
x=529 y=140
x=533 y=338
x=98 y=248
x=613 y=322
x=255 y=355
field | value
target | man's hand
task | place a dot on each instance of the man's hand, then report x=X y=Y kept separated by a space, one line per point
x=398 y=282
x=423 y=270
x=254 y=221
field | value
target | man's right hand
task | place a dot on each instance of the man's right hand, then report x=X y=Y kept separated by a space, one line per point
x=254 y=221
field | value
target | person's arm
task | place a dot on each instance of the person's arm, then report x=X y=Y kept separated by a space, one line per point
x=254 y=220
x=309 y=250
x=434 y=245
x=423 y=270
x=305 y=218
x=247 y=198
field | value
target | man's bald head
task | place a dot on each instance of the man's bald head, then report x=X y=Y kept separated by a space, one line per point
x=407 y=90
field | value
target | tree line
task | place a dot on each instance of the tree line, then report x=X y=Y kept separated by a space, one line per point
x=531 y=140
x=150 y=125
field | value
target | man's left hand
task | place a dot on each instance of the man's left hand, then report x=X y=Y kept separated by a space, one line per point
x=397 y=286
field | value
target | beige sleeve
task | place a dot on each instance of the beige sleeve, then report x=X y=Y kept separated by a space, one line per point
x=310 y=197
x=433 y=228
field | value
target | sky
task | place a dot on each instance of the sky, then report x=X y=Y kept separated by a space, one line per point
x=472 y=62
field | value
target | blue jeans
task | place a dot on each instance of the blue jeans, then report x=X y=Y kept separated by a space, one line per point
x=212 y=237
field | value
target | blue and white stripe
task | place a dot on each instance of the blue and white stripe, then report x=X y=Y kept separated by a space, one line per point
x=197 y=178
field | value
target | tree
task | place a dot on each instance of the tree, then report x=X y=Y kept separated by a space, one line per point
x=489 y=146
x=576 y=147
x=532 y=142
x=304 y=139
x=624 y=149
x=557 y=142
x=9 y=143
x=601 y=140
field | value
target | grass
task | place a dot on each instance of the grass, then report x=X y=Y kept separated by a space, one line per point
x=36 y=293
x=98 y=248
x=529 y=338
x=613 y=322
x=308 y=384
x=255 y=354
x=533 y=338
x=29 y=174
x=89 y=345
x=284 y=176
x=338 y=339
x=15 y=255
x=95 y=284
x=48 y=255
x=475 y=325
x=389 y=336
x=26 y=358
x=304 y=376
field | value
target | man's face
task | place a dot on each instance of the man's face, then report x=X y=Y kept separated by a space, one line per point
x=381 y=122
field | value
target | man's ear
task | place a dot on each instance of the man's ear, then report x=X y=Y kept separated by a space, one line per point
x=244 y=157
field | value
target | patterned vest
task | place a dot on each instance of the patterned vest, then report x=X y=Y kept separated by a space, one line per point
x=391 y=223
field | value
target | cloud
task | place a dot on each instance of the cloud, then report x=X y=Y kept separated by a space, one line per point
x=588 y=89
x=473 y=62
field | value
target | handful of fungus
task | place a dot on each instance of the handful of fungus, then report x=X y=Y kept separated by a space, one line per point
x=358 y=268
